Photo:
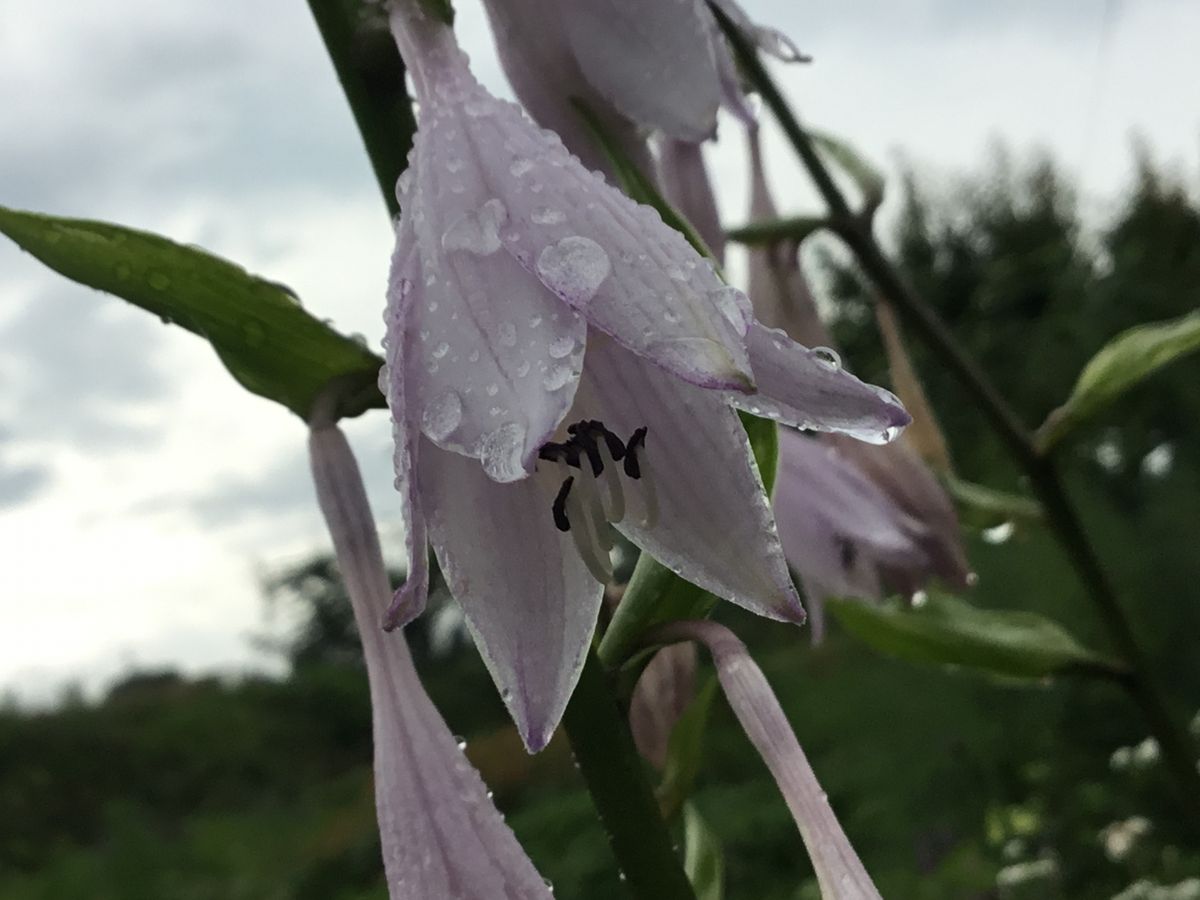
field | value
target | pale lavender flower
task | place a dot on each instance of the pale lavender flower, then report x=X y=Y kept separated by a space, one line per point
x=840 y=873
x=663 y=691
x=909 y=512
x=441 y=835
x=560 y=362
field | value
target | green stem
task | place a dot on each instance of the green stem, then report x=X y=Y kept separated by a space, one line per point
x=372 y=76
x=1178 y=749
x=371 y=72
x=609 y=763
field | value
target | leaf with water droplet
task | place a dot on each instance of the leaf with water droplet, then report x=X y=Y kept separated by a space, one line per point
x=267 y=342
x=574 y=268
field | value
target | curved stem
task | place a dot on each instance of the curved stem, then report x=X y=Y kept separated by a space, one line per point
x=615 y=776
x=1178 y=750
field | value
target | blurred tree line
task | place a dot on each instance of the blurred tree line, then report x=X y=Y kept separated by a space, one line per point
x=949 y=785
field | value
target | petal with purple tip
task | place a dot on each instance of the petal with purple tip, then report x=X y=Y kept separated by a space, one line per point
x=440 y=834
x=529 y=600
x=714 y=526
x=810 y=389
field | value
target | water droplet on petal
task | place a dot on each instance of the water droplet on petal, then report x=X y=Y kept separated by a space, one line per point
x=506 y=334
x=545 y=215
x=493 y=390
x=501 y=450
x=574 y=268
x=441 y=350
x=561 y=347
x=442 y=415
x=477 y=232
x=520 y=166
x=558 y=377
x=734 y=306
x=828 y=358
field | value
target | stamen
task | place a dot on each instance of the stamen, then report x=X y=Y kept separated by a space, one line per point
x=847 y=552
x=559 y=509
x=614 y=494
x=638 y=440
x=594 y=557
x=591 y=502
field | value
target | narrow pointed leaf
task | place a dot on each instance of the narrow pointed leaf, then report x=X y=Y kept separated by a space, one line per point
x=772 y=231
x=985 y=506
x=866 y=177
x=703 y=859
x=265 y=339
x=1120 y=365
x=947 y=631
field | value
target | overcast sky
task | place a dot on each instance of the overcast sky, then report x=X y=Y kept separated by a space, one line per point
x=143 y=494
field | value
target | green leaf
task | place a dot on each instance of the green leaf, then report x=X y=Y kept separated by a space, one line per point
x=945 y=630
x=703 y=859
x=987 y=507
x=1124 y=362
x=265 y=339
x=866 y=177
x=685 y=749
x=772 y=231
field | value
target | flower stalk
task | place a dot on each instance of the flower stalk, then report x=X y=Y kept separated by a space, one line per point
x=1062 y=518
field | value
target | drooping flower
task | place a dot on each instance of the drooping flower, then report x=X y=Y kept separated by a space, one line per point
x=840 y=872
x=913 y=517
x=663 y=691
x=441 y=835
x=560 y=362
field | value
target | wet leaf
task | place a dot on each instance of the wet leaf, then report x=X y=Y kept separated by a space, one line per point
x=272 y=346
x=1123 y=363
x=945 y=630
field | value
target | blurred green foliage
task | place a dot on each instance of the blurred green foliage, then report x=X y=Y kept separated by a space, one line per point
x=950 y=786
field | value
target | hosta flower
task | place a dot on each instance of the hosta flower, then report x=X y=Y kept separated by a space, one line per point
x=662 y=64
x=904 y=530
x=560 y=363
x=441 y=836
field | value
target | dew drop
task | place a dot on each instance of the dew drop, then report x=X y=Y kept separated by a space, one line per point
x=828 y=358
x=441 y=350
x=520 y=166
x=159 y=281
x=506 y=334
x=442 y=415
x=734 y=306
x=523 y=368
x=477 y=232
x=473 y=356
x=561 y=347
x=558 y=377
x=492 y=390
x=545 y=215
x=574 y=268
x=535 y=321
x=501 y=450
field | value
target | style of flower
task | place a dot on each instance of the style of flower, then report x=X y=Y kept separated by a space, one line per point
x=559 y=363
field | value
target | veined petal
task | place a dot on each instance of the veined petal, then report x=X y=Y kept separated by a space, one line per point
x=809 y=389
x=714 y=525
x=840 y=873
x=686 y=185
x=496 y=356
x=440 y=833
x=614 y=261
x=651 y=60
x=529 y=600
x=409 y=601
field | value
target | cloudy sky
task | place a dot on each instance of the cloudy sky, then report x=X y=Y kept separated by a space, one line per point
x=143 y=495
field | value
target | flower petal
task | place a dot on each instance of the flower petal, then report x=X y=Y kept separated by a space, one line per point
x=409 y=601
x=840 y=873
x=496 y=356
x=664 y=689
x=714 y=526
x=612 y=260
x=529 y=600
x=440 y=833
x=687 y=187
x=541 y=67
x=649 y=60
x=809 y=389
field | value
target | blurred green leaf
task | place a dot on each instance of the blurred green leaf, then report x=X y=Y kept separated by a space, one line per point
x=986 y=507
x=703 y=859
x=685 y=749
x=1120 y=365
x=948 y=631
x=793 y=228
x=866 y=177
x=265 y=339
